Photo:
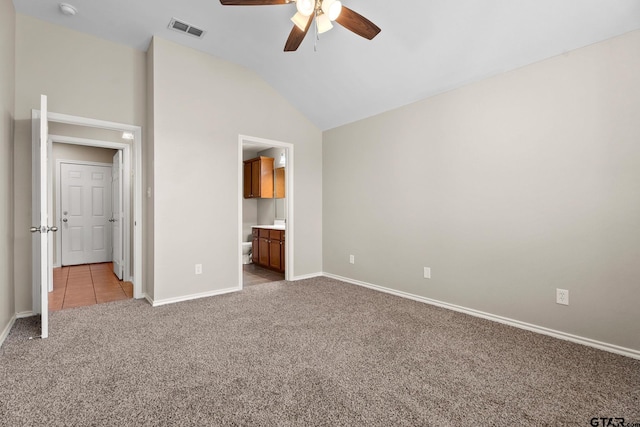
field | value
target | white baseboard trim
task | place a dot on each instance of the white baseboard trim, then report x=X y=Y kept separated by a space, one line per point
x=24 y=314
x=634 y=354
x=157 y=303
x=307 y=276
x=148 y=298
x=7 y=329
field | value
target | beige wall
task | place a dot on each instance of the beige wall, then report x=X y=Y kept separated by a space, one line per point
x=7 y=81
x=82 y=75
x=72 y=152
x=201 y=105
x=508 y=189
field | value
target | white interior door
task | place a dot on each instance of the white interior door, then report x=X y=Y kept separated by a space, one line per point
x=42 y=267
x=85 y=199
x=117 y=215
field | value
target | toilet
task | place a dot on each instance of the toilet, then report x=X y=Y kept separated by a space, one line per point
x=246 y=252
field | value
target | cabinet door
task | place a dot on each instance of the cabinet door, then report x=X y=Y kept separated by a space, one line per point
x=255 y=250
x=263 y=256
x=247 y=181
x=274 y=254
x=266 y=177
x=255 y=179
x=279 y=184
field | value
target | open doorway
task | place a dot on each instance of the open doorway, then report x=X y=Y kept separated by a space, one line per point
x=129 y=147
x=265 y=199
x=88 y=255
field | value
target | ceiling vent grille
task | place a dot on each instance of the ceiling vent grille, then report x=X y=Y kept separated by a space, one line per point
x=185 y=28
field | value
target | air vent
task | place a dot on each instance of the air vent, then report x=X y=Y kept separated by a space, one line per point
x=185 y=28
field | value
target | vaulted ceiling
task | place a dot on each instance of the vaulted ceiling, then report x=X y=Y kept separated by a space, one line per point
x=426 y=46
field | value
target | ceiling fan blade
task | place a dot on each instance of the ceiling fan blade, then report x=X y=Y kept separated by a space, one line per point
x=253 y=2
x=357 y=23
x=296 y=36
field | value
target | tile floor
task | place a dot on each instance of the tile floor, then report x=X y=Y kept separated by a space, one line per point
x=88 y=284
x=254 y=275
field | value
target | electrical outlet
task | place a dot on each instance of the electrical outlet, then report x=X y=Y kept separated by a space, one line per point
x=198 y=268
x=427 y=272
x=352 y=259
x=562 y=296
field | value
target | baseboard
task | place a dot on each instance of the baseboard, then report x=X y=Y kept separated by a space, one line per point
x=24 y=314
x=157 y=303
x=147 y=298
x=307 y=276
x=7 y=329
x=635 y=354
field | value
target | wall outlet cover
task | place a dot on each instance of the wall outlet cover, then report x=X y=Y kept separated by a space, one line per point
x=562 y=296
x=427 y=272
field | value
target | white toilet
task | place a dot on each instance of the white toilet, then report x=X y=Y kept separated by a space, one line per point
x=246 y=252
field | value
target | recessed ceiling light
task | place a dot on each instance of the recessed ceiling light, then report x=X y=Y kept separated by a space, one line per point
x=67 y=9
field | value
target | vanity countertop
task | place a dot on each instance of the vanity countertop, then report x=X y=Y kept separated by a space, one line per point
x=269 y=227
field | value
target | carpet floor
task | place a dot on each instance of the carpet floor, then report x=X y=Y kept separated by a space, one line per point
x=313 y=352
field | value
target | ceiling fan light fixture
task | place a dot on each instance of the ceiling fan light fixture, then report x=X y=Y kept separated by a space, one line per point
x=300 y=20
x=306 y=7
x=332 y=8
x=324 y=23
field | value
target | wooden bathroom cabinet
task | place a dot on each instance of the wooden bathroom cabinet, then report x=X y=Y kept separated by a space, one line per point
x=268 y=248
x=258 y=178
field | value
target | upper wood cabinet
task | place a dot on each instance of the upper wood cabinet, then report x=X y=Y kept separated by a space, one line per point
x=279 y=174
x=258 y=178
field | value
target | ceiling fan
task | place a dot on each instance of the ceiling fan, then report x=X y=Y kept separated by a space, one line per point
x=324 y=11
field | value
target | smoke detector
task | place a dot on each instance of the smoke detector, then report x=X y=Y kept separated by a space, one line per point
x=67 y=9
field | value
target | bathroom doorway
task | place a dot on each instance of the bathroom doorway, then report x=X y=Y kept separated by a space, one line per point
x=266 y=213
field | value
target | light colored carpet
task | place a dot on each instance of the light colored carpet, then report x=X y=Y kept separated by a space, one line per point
x=314 y=352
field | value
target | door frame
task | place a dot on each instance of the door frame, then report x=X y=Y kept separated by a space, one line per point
x=289 y=225
x=57 y=260
x=132 y=163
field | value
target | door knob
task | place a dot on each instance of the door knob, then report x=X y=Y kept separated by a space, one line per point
x=34 y=229
x=54 y=229
x=64 y=220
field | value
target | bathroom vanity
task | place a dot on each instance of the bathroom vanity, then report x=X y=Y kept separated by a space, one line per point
x=268 y=246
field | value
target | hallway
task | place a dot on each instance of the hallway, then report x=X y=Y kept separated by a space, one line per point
x=88 y=284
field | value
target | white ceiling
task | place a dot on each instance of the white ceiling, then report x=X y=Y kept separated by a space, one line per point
x=425 y=47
